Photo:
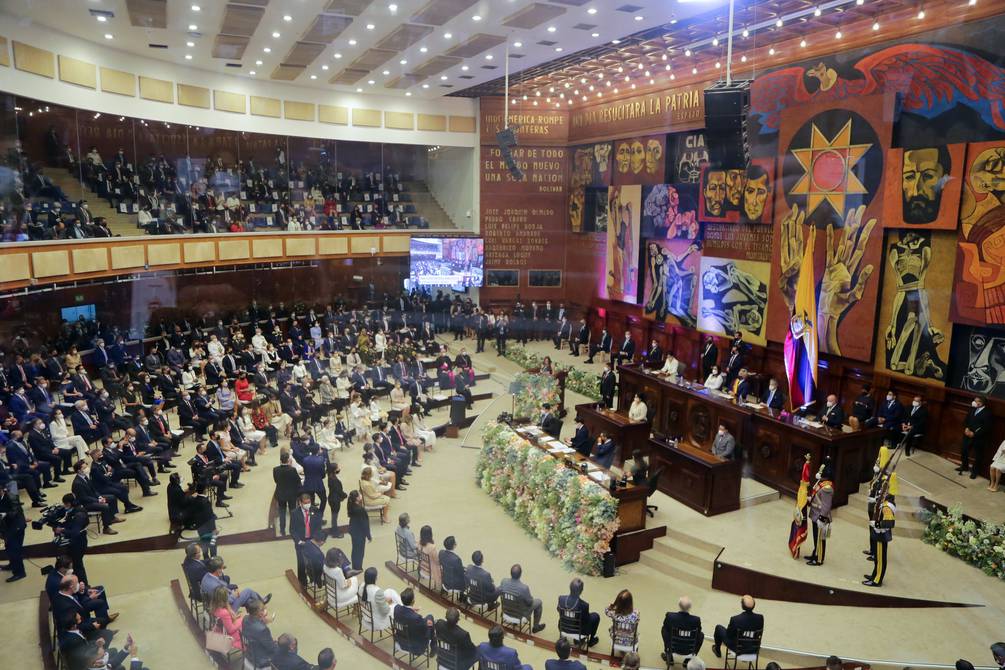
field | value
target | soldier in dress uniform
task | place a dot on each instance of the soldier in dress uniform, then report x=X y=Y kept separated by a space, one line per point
x=881 y=532
x=821 y=499
x=879 y=477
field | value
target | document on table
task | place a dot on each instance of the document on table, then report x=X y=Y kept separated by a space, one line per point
x=598 y=476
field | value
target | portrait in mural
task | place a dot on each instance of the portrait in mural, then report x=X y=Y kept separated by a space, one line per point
x=830 y=174
x=671 y=284
x=624 y=204
x=933 y=82
x=922 y=187
x=688 y=154
x=591 y=166
x=978 y=360
x=733 y=298
x=595 y=214
x=979 y=291
x=668 y=211
x=914 y=314
x=640 y=160
x=738 y=195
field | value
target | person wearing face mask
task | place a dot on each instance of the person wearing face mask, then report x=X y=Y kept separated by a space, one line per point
x=715 y=379
x=890 y=415
x=774 y=398
x=724 y=444
x=976 y=429
x=832 y=414
x=863 y=408
x=879 y=479
x=913 y=425
x=305 y=523
x=821 y=500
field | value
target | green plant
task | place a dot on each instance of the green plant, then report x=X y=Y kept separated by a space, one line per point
x=579 y=381
x=979 y=543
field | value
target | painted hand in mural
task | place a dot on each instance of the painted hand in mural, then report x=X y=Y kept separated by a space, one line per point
x=792 y=254
x=844 y=281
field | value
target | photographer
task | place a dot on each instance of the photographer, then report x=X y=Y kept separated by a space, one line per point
x=72 y=530
x=207 y=473
x=12 y=526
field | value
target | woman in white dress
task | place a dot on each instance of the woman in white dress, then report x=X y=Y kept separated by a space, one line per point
x=399 y=401
x=326 y=437
x=299 y=371
x=251 y=433
x=258 y=342
x=341 y=592
x=638 y=410
x=997 y=467
x=215 y=350
x=380 y=343
x=63 y=438
x=359 y=417
x=342 y=385
x=189 y=379
x=375 y=412
x=382 y=601
x=412 y=426
x=352 y=359
x=714 y=380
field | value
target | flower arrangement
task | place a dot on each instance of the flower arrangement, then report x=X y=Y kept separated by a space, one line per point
x=531 y=391
x=979 y=543
x=581 y=381
x=572 y=515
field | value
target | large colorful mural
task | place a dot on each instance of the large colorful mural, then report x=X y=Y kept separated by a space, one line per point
x=624 y=205
x=733 y=298
x=671 y=282
x=923 y=186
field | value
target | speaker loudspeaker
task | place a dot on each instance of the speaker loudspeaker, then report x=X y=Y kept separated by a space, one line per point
x=726 y=111
x=507 y=140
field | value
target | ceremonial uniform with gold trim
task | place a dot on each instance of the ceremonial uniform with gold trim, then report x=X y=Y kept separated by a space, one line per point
x=821 y=500
x=881 y=529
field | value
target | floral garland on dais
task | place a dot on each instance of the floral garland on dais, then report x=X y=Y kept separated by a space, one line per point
x=580 y=381
x=572 y=515
x=979 y=543
x=531 y=391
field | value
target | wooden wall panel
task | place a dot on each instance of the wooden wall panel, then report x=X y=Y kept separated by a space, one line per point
x=435 y=122
x=193 y=96
x=50 y=263
x=78 y=72
x=159 y=90
x=262 y=106
x=462 y=124
x=164 y=254
x=300 y=246
x=224 y=101
x=131 y=256
x=90 y=260
x=336 y=115
x=332 y=245
x=399 y=120
x=299 y=111
x=396 y=244
x=200 y=252
x=118 y=82
x=4 y=53
x=369 y=118
x=363 y=244
x=233 y=249
x=14 y=267
x=271 y=247
x=34 y=60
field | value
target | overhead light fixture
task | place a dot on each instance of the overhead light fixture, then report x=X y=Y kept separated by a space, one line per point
x=324 y=67
x=425 y=86
x=108 y=36
x=594 y=34
x=275 y=35
x=552 y=29
x=193 y=27
x=639 y=17
x=465 y=68
x=488 y=56
x=715 y=41
x=838 y=35
x=591 y=10
x=314 y=76
x=196 y=8
x=287 y=18
x=443 y=77
x=817 y=12
x=665 y=67
x=359 y=90
x=352 y=43
x=408 y=94
x=694 y=70
x=518 y=44
x=267 y=50
x=476 y=17
x=615 y=41
x=862 y=2
x=188 y=56
x=447 y=36
x=718 y=65
x=771 y=51
x=558 y=49
x=190 y=44
x=370 y=26
x=743 y=59
x=402 y=62
x=875 y=25
x=745 y=33
x=802 y=43
x=258 y=62
x=336 y=55
x=371 y=82
x=392 y=8
x=101 y=18
x=252 y=73
x=687 y=52
x=423 y=49
x=779 y=23
x=921 y=14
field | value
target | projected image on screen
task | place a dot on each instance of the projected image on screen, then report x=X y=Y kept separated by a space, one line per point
x=446 y=261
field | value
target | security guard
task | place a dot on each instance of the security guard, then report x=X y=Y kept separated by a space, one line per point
x=879 y=476
x=881 y=530
x=821 y=499
x=12 y=527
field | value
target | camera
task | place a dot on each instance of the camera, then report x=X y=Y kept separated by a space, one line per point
x=53 y=515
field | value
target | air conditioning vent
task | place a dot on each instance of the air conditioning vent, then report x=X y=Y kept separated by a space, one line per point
x=158 y=46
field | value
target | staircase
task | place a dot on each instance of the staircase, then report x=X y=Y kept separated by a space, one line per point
x=426 y=205
x=909 y=514
x=118 y=223
x=682 y=557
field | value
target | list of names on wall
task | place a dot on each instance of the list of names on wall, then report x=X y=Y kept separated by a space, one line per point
x=516 y=236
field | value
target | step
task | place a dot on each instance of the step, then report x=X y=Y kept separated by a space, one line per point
x=685 y=553
x=705 y=548
x=677 y=569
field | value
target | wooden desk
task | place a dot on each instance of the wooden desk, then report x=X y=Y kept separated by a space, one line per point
x=773 y=443
x=695 y=477
x=627 y=434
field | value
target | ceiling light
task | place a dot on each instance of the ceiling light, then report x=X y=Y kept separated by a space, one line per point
x=591 y=10
x=771 y=51
x=336 y=55
x=615 y=41
x=359 y=90
x=838 y=35
x=190 y=44
x=584 y=98
x=875 y=26
x=402 y=62
x=488 y=56
x=196 y=8
x=193 y=27
x=537 y=93
x=745 y=33
x=552 y=29
x=575 y=91
x=352 y=43
x=188 y=56
x=687 y=52
x=287 y=17
x=371 y=82
x=802 y=43
x=370 y=26
x=817 y=12
x=276 y=35
x=443 y=77
x=101 y=19
x=641 y=66
x=665 y=67
x=423 y=49
x=621 y=69
x=862 y=2
x=447 y=36
x=582 y=80
x=567 y=84
x=972 y=3
x=715 y=41
x=627 y=78
x=408 y=94
x=594 y=34
x=392 y=7
x=633 y=87
x=518 y=44
x=672 y=77
x=591 y=87
x=314 y=76
x=324 y=67
x=718 y=65
x=386 y=72
x=779 y=23
x=524 y=96
x=252 y=73
x=108 y=36
x=743 y=59
x=615 y=91
x=425 y=86
x=465 y=68
x=558 y=49
x=476 y=17
x=694 y=70
x=639 y=17
x=267 y=50
x=921 y=14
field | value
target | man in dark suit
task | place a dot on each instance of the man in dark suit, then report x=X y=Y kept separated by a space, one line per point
x=832 y=414
x=448 y=632
x=287 y=489
x=740 y=386
x=40 y=396
x=581 y=338
x=914 y=424
x=604 y=452
x=86 y=495
x=773 y=397
x=195 y=569
x=890 y=416
x=495 y=652
x=84 y=424
x=608 y=384
x=480 y=580
x=305 y=523
x=976 y=430
x=286 y=657
x=188 y=416
x=683 y=622
x=654 y=357
x=12 y=527
x=626 y=352
x=419 y=629
x=502 y=333
x=451 y=566
x=581 y=441
x=45 y=450
x=550 y=423
x=603 y=346
x=562 y=334
x=709 y=357
x=573 y=607
x=744 y=625
x=314 y=558
x=733 y=365
x=102 y=479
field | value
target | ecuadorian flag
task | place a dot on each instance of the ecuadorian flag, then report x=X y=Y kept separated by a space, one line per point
x=801 y=339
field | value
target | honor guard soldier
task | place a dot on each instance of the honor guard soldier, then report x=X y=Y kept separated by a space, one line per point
x=821 y=499
x=881 y=532
x=879 y=477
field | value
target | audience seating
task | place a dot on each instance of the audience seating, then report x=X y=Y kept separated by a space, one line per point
x=748 y=650
x=403 y=644
x=407 y=563
x=570 y=626
x=515 y=613
x=682 y=643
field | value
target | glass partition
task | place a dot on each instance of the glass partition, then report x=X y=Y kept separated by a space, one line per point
x=74 y=174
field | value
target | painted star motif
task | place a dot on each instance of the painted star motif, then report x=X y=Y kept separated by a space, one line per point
x=827 y=169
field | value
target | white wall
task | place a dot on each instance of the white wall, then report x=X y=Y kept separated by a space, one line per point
x=451 y=180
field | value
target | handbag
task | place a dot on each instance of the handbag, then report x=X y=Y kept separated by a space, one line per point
x=218 y=640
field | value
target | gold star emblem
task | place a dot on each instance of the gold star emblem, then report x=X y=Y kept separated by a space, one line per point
x=827 y=169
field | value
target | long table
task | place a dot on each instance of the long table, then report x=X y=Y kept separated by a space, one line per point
x=628 y=435
x=773 y=443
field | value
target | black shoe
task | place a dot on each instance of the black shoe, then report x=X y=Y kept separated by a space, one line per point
x=716 y=651
x=224 y=496
x=237 y=485
x=268 y=597
x=58 y=480
x=38 y=503
x=869 y=582
x=150 y=494
x=416 y=465
x=871 y=558
x=973 y=475
x=663 y=655
x=812 y=558
x=960 y=471
x=15 y=578
x=50 y=485
x=220 y=503
x=867 y=552
x=134 y=508
x=813 y=563
x=868 y=578
x=155 y=482
x=589 y=360
x=538 y=628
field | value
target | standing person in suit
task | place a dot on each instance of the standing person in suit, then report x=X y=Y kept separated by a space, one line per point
x=449 y=631
x=709 y=357
x=913 y=424
x=315 y=471
x=572 y=606
x=724 y=444
x=654 y=357
x=305 y=523
x=604 y=346
x=495 y=652
x=773 y=397
x=287 y=489
x=502 y=332
x=746 y=622
x=608 y=384
x=821 y=500
x=864 y=406
x=359 y=528
x=336 y=494
x=832 y=414
x=626 y=352
x=681 y=620
x=581 y=441
x=733 y=365
x=12 y=527
x=890 y=416
x=74 y=529
x=976 y=430
x=563 y=334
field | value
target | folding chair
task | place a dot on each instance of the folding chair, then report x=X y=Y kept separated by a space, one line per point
x=748 y=650
x=401 y=559
x=570 y=626
x=683 y=642
x=515 y=613
x=366 y=621
x=446 y=656
x=403 y=645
